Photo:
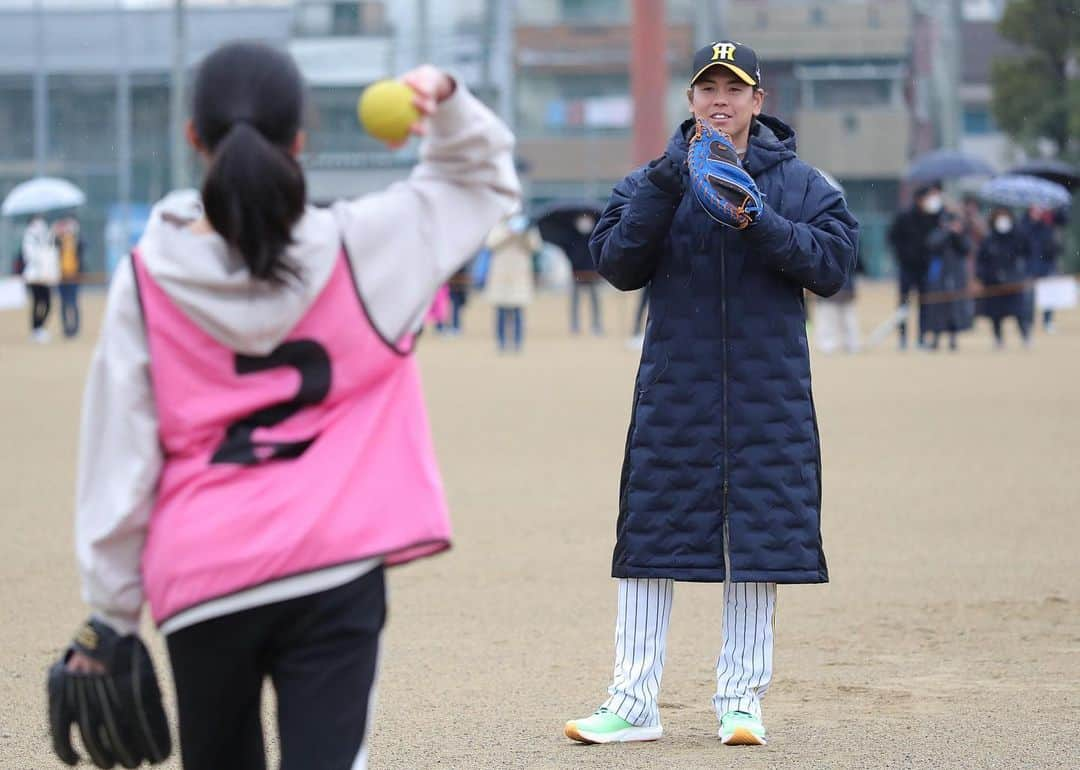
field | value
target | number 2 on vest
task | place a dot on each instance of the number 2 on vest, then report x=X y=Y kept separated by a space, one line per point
x=311 y=360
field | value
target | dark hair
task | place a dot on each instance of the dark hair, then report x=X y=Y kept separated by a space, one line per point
x=248 y=103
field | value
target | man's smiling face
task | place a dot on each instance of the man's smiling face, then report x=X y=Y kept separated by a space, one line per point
x=725 y=101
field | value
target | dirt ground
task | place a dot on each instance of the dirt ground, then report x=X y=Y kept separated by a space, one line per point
x=948 y=637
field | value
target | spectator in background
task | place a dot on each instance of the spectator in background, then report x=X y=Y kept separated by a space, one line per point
x=947 y=277
x=908 y=235
x=509 y=285
x=71 y=247
x=1002 y=266
x=41 y=272
x=835 y=319
x=586 y=278
x=974 y=228
x=459 y=295
x=1038 y=227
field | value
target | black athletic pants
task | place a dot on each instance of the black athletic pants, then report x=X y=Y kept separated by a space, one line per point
x=40 y=303
x=320 y=653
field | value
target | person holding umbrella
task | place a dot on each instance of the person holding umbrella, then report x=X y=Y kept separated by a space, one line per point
x=1039 y=227
x=71 y=249
x=41 y=272
x=908 y=235
x=1002 y=266
x=947 y=276
x=568 y=225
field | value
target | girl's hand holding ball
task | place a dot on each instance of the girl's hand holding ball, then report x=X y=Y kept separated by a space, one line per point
x=391 y=110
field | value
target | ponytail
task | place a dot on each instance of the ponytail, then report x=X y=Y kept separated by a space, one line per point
x=248 y=100
x=253 y=194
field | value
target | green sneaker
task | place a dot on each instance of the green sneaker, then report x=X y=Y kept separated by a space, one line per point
x=739 y=728
x=607 y=727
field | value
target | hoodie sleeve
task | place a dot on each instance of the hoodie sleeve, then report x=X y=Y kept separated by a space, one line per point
x=119 y=461
x=819 y=250
x=625 y=244
x=407 y=240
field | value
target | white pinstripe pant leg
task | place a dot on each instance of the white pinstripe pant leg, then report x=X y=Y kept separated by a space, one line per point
x=640 y=640
x=744 y=669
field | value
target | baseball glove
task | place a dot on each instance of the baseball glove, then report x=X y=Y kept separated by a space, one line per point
x=119 y=712
x=723 y=188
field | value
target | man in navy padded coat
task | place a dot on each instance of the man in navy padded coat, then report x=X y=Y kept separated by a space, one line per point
x=721 y=480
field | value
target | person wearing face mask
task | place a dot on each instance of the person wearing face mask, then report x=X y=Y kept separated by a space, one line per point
x=1039 y=227
x=908 y=236
x=1002 y=267
x=950 y=311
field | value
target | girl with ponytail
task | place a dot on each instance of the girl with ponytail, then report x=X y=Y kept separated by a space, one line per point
x=255 y=449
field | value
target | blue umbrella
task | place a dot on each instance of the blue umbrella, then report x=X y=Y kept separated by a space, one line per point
x=947 y=164
x=1021 y=191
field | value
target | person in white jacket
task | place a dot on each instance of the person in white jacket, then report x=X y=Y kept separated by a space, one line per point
x=254 y=446
x=509 y=285
x=40 y=272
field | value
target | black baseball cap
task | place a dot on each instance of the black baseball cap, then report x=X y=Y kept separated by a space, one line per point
x=737 y=57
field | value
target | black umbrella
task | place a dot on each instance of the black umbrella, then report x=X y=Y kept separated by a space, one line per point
x=947 y=164
x=1058 y=171
x=558 y=224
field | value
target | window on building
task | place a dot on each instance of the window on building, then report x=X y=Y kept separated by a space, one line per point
x=17 y=118
x=851 y=93
x=979 y=121
x=606 y=11
x=78 y=132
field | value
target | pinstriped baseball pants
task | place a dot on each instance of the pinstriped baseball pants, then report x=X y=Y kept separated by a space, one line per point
x=743 y=670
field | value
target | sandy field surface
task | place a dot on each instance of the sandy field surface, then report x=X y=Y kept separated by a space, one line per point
x=948 y=637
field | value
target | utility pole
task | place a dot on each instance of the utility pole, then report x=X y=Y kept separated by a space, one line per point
x=423 y=42
x=649 y=78
x=123 y=125
x=176 y=97
x=41 y=93
x=505 y=69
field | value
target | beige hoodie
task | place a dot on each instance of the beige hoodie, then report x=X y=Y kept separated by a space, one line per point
x=403 y=243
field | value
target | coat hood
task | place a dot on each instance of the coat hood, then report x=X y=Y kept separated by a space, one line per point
x=772 y=141
x=211 y=284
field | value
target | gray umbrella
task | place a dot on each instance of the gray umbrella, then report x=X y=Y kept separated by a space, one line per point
x=1058 y=171
x=947 y=164
x=1021 y=191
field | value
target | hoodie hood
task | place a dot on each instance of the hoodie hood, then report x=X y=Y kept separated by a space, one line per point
x=772 y=141
x=212 y=286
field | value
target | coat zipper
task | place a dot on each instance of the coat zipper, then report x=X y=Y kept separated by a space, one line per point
x=724 y=406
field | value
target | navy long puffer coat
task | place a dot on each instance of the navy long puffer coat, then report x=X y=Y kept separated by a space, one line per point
x=722 y=455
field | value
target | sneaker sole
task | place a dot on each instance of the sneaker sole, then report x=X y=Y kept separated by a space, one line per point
x=742 y=737
x=628 y=735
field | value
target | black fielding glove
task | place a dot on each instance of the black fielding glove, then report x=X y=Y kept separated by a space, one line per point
x=119 y=713
x=667 y=175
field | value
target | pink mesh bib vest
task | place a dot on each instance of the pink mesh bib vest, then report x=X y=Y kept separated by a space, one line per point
x=315 y=455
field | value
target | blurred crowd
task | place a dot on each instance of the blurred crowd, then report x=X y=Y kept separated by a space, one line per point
x=959 y=262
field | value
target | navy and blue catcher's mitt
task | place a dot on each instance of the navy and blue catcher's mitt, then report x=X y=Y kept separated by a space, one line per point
x=723 y=188
x=119 y=712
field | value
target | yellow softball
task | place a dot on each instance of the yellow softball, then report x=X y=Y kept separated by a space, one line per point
x=386 y=110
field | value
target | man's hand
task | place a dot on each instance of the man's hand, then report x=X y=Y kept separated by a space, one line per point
x=666 y=174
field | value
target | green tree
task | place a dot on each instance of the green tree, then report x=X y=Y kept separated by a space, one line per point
x=1036 y=94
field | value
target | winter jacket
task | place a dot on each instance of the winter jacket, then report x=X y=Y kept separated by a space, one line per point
x=510 y=274
x=947 y=275
x=1003 y=261
x=722 y=469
